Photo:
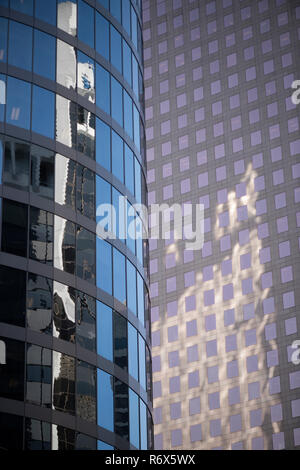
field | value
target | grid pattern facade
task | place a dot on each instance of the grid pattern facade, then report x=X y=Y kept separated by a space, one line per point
x=74 y=309
x=222 y=130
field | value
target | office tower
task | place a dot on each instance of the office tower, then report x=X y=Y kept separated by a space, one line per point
x=222 y=130
x=75 y=368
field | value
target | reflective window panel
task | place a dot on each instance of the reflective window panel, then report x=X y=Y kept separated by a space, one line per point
x=64 y=298
x=39 y=303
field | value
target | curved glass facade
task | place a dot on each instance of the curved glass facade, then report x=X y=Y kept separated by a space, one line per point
x=74 y=315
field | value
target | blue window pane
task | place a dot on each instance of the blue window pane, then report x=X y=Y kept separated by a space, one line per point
x=115 y=9
x=133 y=352
x=127 y=66
x=103 y=193
x=44 y=54
x=2 y=96
x=141 y=299
x=138 y=181
x=134 y=424
x=3 y=39
x=86 y=76
x=105 y=399
x=43 y=112
x=135 y=76
x=131 y=288
x=18 y=103
x=86 y=32
x=116 y=101
x=136 y=118
x=104 y=266
x=104 y=3
x=46 y=11
x=103 y=204
x=128 y=114
x=139 y=244
x=142 y=362
x=143 y=425
x=126 y=16
x=129 y=175
x=115 y=49
x=134 y=27
x=104 y=331
x=117 y=156
x=102 y=89
x=117 y=202
x=119 y=277
x=22 y=6
x=20 y=45
x=103 y=144
x=102 y=36
x=103 y=446
x=131 y=226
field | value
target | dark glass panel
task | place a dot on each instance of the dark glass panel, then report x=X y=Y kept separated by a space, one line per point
x=86 y=23
x=115 y=9
x=102 y=36
x=121 y=409
x=150 y=431
x=86 y=377
x=12 y=373
x=13 y=296
x=105 y=400
x=25 y=7
x=104 y=265
x=37 y=435
x=18 y=103
x=63 y=438
x=117 y=156
x=3 y=39
x=86 y=321
x=38 y=375
x=103 y=145
x=120 y=341
x=116 y=49
x=39 y=303
x=102 y=89
x=64 y=246
x=142 y=361
x=85 y=255
x=85 y=192
x=133 y=357
x=20 y=45
x=149 y=374
x=2 y=96
x=41 y=236
x=63 y=383
x=127 y=64
x=104 y=331
x=11 y=432
x=16 y=164
x=126 y=16
x=46 y=11
x=116 y=101
x=14 y=228
x=44 y=57
x=86 y=132
x=42 y=112
x=134 y=422
x=129 y=171
x=42 y=172
x=64 y=298
x=84 y=442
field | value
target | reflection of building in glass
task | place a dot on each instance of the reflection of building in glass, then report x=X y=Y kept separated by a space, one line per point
x=74 y=308
x=222 y=130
